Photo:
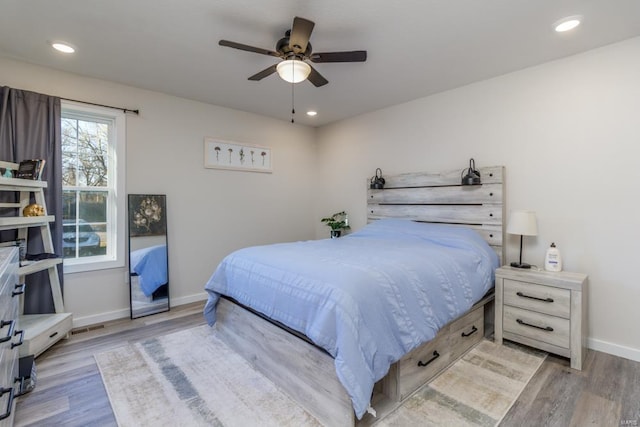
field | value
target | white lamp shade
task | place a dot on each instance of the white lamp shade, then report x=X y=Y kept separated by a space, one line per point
x=293 y=70
x=523 y=223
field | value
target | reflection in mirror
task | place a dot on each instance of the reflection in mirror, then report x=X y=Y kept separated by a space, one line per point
x=148 y=255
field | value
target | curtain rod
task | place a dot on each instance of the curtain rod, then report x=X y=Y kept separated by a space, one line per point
x=125 y=110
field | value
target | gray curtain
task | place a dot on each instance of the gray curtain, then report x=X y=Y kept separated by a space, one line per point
x=30 y=129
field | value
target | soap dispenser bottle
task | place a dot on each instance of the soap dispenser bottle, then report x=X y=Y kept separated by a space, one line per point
x=552 y=260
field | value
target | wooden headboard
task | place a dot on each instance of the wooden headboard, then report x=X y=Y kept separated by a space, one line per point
x=440 y=198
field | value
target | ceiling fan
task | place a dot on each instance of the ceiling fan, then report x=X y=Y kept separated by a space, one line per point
x=294 y=49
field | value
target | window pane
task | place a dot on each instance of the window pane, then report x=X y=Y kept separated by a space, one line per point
x=80 y=240
x=88 y=235
x=93 y=206
x=85 y=153
x=92 y=170
x=69 y=151
x=69 y=171
x=68 y=206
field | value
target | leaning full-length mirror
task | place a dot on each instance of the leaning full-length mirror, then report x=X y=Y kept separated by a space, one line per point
x=148 y=254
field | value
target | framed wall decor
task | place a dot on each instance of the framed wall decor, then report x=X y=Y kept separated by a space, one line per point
x=147 y=215
x=220 y=154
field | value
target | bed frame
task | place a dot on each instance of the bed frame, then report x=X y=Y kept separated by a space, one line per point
x=307 y=373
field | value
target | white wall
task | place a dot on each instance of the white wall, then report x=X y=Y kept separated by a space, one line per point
x=568 y=133
x=210 y=212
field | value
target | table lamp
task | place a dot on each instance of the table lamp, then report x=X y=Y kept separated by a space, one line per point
x=523 y=223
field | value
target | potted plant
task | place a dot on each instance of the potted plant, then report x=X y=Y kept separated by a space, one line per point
x=337 y=222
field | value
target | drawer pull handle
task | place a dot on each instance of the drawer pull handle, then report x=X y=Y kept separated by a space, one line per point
x=545 y=328
x=520 y=294
x=19 y=343
x=12 y=326
x=53 y=335
x=435 y=356
x=473 y=331
x=10 y=390
x=19 y=289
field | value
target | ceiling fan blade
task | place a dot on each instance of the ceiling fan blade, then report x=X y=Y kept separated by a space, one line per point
x=352 y=56
x=264 y=73
x=247 y=48
x=316 y=78
x=300 y=33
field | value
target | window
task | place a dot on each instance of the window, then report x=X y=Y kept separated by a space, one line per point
x=93 y=141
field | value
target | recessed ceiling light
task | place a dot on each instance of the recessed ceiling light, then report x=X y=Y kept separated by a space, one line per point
x=63 y=47
x=311 y=113
x=568 y=23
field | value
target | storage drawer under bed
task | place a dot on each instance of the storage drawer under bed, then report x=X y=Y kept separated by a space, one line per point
x=425 y=362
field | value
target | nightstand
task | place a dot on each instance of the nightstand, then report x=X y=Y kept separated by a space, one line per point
x=544 y=310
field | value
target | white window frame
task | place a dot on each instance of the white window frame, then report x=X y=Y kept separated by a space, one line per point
x=117 y=199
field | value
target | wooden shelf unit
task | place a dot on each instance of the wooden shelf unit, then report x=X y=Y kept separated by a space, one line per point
x=41 y=330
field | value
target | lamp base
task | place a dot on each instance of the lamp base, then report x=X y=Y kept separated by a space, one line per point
x=520 y=265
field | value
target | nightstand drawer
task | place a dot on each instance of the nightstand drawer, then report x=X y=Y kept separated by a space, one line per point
x=540 y=298
x=541 y=327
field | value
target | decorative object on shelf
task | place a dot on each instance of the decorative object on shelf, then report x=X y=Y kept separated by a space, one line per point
x=523 y=223
x=377 y=181
x=337 y=222
x=30 y=169
x=473 y=176
x=219 y=154
x=21 y=243
x=33 y=210
x=6 y=172
x=552 y=259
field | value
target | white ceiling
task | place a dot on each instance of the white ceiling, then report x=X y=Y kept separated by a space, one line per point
x=415 y=47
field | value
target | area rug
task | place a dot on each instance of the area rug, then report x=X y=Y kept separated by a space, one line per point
x=191 y=378
x=477 y=390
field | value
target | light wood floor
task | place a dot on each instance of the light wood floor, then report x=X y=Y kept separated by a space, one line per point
x=69 y=390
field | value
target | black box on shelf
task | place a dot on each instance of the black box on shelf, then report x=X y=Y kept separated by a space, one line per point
x=30 y=169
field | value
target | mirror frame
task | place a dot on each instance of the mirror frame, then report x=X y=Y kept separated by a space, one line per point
x=147 y=217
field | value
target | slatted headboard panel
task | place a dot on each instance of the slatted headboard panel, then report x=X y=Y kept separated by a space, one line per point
x=439 y=197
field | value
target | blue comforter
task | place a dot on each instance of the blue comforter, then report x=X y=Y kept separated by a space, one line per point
x=367 y=298
x=150 y=264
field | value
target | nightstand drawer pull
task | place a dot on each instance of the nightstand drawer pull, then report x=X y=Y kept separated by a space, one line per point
x=520 y=294
x=473 y=331
x=435 y=356
x=545 y=328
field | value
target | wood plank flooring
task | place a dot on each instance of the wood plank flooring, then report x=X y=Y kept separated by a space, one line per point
x=69 y=390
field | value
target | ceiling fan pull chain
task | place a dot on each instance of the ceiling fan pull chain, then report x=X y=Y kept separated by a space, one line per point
x=293 y=108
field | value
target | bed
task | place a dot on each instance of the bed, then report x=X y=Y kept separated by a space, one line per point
x=354 y=325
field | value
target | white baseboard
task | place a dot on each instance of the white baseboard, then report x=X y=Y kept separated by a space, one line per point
x=202 y=296
x=96 y=319
x=615 y=349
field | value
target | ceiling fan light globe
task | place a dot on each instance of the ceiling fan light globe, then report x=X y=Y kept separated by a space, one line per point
x=293 y=70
